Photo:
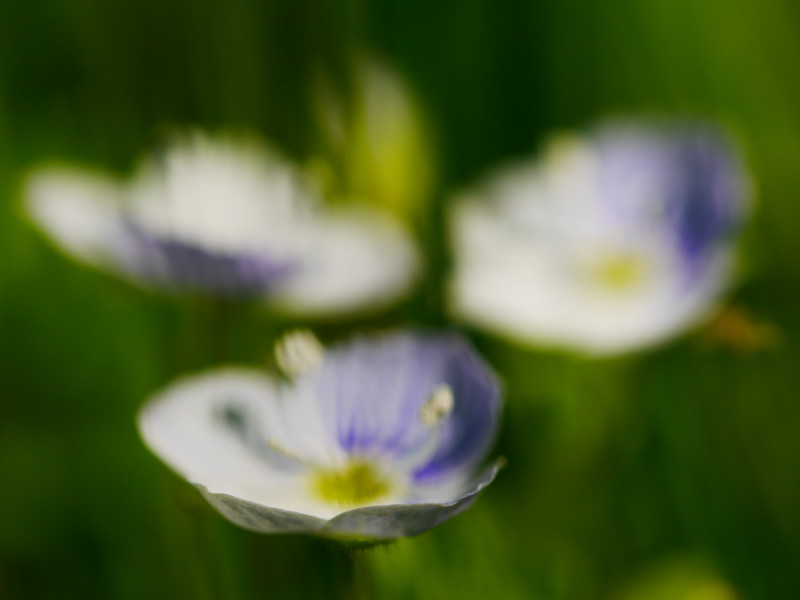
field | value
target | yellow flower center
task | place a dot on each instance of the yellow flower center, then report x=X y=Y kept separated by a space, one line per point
x=358 y=483
x=619 y=272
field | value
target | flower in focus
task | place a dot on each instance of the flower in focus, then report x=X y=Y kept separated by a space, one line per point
x=379 y=440
x=608 y=243
x=229 y=218
x=379 y=146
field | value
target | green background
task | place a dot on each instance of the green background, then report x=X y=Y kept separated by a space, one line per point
x=670 y=475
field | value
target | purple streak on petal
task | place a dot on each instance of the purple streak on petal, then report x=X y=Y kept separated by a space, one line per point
x=694 y=180
x=708 y=194
x=471 y=428
x=372 y=391
x=183 y=266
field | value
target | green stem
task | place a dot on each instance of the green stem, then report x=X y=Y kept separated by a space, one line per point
x=358 y=581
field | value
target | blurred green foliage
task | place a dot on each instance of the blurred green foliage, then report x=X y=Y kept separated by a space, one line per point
x=672 y=475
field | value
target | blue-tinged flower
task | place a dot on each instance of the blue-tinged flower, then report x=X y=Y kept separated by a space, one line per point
x=226 y=217
x=607 y=243
x=378 y=438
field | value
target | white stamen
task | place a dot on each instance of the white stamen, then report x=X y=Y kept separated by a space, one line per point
x=438 y=406
x=299 y=352
x=436 y=409
x=275 y=446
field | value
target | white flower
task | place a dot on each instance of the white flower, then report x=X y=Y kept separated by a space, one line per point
x=607 y=243
x=380 y=441
x=229 y=218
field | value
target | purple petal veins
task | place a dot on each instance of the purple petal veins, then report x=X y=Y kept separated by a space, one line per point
x=696 y=178
x=372 y=391
x=471 y=427
x=708 y=195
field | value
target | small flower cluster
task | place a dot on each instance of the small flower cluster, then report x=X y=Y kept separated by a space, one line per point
x=604 y=244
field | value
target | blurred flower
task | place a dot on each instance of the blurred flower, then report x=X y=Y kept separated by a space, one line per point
x=680 y=578
x=608 y=243
x=737 y=328
x=379 y=147
x=229 y=218
x=380 y=441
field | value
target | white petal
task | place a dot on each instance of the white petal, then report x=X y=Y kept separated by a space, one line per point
x=357 y=259
x=517 y=284
x=302 y=414
x=223 y=195
x=79 y=210
x=649 y=316
x=186 y=425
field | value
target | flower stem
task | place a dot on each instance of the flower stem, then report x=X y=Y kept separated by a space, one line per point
x=359 y=584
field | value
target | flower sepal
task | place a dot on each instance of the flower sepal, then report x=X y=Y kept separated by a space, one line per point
x=364 y=526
